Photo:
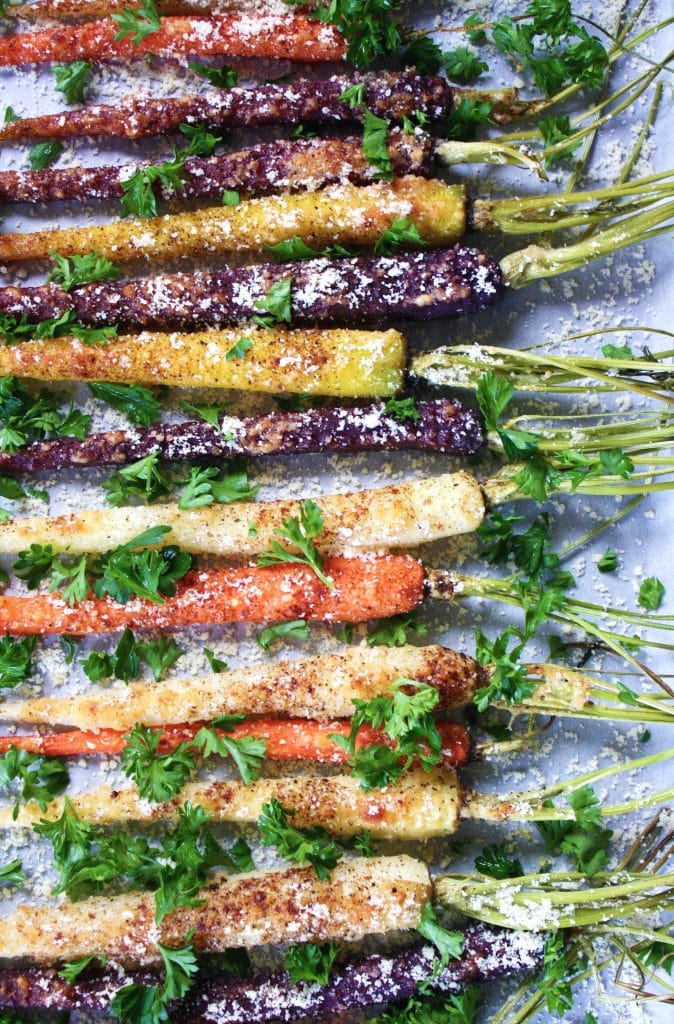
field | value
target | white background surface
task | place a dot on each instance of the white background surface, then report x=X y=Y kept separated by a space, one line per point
x=623 y=290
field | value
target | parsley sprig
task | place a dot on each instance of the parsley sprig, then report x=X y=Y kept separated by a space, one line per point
x=160 y=776
x=37 y=777
x=26 y=416
x=137 y=22
x=405 y=716
x=134 y=569
x=300 y=531
x=72 y=271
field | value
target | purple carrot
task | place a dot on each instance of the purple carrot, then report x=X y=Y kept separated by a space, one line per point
x=363 y=289
x=280 y=166
x=303 y=101
x=443 y=426
x=367 y=981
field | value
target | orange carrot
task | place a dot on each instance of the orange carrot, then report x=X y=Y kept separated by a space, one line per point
x=293 y=739
x=286 y=37
x=364 y=588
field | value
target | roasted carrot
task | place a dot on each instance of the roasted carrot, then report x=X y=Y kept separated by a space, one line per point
x=364 y=588
x=293 y=739
x=286 y=37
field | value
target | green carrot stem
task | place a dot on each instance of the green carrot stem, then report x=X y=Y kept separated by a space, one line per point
x=531 y=369
x=535 y=262
x=525 y=214
x=542 y=902
x=450 y=152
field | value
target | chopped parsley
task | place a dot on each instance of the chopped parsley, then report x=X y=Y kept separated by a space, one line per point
x=222 y=78
x=302 y=846
x=651 y=593
x=137 y=22
x=39 y=778
x=72 y=80
x=300 y=531
x=72 y=271
x=403 y=231
x=298 y=629
x=43 y=154
x=310 y=962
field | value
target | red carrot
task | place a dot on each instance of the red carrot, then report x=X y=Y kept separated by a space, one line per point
x=290 y=37
x=293 y=739
x=364 y=588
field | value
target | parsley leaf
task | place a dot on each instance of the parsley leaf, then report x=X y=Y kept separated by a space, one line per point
x=217 y=664
x=73 y=271
x=201 y=141
x=138 y=1004
x=405 y=717
x=298 y=629
x=239 y=350
x=402 y=232
x=425 y=55
x=462 y=65
x=608 y=561
x=302 y=846
x=138 y=23
x=10 y=116
x=160 y=654
x=222 y=78
x=247 y=752
x=555 y=129
x=300 y=531
x=392 y=632
x=12 y=873
x=43 y=154
x=508 y=682
x=449 y=944
x=40 y=778
x=310 y=962
x=495 y=862
x=230 y=197
x=296 y=249
x=16 y=659
x=367 y=25
x=375 y=144
x=553 y=979
x=72 y=80
x=403 y=409
x=159 y=777
x=651 y=593
x=181 y=967
x=466 y=116
x=138 y=191
x=73 y=968
x=583 y=839
x=142 y=479
x=135 y=402
x=276 y=306
x=209 y=484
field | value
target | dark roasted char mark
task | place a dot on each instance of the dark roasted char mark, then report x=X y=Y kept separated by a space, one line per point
x=373 y=980
x=281 y=166
x=303 y=101
x=361 y=290
x=444 y=426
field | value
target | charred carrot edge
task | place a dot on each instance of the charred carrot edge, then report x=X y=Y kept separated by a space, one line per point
x=364 y=588
x=290 y=37
x=293 y=739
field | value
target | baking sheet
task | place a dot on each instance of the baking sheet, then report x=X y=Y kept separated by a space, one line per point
x=626 y=289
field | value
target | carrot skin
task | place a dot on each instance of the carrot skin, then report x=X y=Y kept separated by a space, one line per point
x=294 y=37
x=287 y=740
x=364 y=588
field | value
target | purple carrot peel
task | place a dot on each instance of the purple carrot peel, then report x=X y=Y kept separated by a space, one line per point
x=304 y=101
x=280 y=166
x=361 y=290
x=444 y=426
x=367 y=981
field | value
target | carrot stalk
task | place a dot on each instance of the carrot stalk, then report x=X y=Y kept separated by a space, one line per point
x=293 y=739
x=364 y=588
x=290 y=37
